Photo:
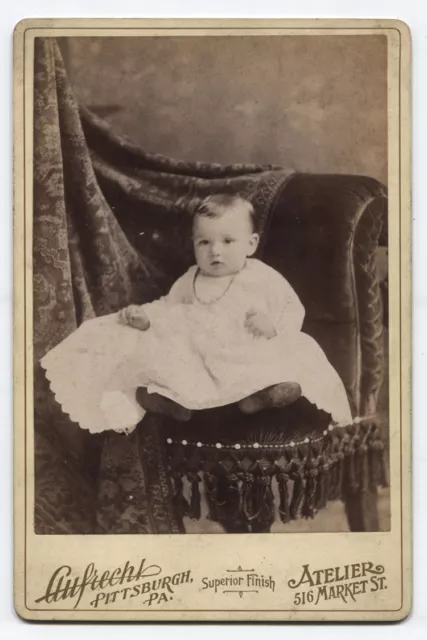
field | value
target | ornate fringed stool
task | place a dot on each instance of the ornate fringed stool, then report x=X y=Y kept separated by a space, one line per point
x=280 y=463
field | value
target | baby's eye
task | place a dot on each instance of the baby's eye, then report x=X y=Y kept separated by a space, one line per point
x=228 y=240
x=203 y=242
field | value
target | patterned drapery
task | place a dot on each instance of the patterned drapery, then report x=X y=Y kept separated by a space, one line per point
x=111 y=227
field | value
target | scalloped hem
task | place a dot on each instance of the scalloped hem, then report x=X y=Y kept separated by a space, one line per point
x=88 y=422
x=114 y=405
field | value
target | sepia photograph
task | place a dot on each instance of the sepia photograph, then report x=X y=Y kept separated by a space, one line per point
x=212 y=319
x=210 y=284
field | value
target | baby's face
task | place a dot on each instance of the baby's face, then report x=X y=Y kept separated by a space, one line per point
x=221 y=245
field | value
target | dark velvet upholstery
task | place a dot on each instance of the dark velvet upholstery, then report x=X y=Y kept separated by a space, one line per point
x=323 y=238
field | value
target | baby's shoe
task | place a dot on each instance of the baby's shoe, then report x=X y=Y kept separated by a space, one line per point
x=279 y=395
x=156 y=403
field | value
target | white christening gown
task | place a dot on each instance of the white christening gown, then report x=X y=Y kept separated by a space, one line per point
x=196 y=353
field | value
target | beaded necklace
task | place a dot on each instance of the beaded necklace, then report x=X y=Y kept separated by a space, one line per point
x=208 y=302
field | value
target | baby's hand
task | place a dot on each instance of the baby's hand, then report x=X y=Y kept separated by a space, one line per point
x=134 y=316
x=259 y=324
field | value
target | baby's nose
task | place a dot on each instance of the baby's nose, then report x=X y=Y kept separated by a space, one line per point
x=216 y=249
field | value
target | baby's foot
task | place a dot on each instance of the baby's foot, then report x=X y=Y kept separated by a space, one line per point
x=134 y=316
x=156 y=403
x=279 y=395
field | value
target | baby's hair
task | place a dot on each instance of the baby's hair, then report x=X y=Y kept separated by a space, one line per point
x=215 y=206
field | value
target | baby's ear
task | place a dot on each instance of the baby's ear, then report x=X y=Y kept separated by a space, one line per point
x=253 y=244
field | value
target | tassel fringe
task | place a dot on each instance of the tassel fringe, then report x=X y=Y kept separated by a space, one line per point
x=239 y=481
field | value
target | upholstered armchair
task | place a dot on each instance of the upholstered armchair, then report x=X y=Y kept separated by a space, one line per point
x=323 y=235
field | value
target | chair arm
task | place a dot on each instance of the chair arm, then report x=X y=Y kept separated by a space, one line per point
x=323 y=237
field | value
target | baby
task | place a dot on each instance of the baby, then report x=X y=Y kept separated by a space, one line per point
x=229 y=331
x=224 y=237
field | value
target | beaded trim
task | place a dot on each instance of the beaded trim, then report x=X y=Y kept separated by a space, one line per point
x=257 y=445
